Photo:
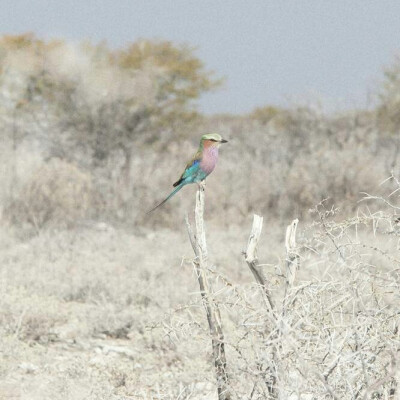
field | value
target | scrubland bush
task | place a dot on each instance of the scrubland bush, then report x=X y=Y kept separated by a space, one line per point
x=57 y=194
x=388 y=111
x=283 y=170
x=23 y=317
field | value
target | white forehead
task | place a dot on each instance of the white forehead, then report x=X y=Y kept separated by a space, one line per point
x=212 y=136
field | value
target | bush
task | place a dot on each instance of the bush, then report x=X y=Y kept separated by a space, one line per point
x=58 y=194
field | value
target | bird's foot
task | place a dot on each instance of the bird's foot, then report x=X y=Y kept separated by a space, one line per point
x=202 y=185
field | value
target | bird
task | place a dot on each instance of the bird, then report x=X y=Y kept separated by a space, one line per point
x=200 y=166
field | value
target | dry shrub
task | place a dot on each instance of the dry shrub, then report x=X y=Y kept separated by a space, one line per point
x=22 y=314
x=282 y=170
x=58 y=193
x=340 y=176
x=333 y=334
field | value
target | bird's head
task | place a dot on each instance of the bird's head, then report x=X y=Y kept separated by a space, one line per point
x=213 y=139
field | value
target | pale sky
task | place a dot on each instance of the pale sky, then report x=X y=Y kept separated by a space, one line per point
x=270 y=52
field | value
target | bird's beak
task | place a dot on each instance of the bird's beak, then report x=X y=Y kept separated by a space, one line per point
x=224 y=141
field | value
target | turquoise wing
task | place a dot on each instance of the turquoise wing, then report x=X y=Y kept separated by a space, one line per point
x=191 y=171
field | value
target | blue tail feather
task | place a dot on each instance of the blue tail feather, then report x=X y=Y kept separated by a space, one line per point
x=178 y=188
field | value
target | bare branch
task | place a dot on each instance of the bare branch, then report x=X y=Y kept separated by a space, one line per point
x=292 y=258
x=252 y=260
x=199 y=245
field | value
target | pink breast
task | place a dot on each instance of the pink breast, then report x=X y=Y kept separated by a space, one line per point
x=209 y=160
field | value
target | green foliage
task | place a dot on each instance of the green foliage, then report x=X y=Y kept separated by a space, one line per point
x=181 y=76
x=18 y=42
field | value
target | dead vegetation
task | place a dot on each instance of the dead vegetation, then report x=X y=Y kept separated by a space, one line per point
x=57 y=194
x=321 y=322
x=100 y=301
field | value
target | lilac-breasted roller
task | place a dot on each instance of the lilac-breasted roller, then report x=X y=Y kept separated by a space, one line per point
x=200 y=166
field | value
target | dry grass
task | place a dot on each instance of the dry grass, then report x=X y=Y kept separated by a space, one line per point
x=100 y=313
x=81 y=312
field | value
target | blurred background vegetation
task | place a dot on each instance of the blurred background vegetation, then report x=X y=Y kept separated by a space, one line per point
x=91 y=133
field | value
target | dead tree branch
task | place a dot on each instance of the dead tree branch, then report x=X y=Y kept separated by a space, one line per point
x=252 y=260
x=292 y=260
x=198 y=242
